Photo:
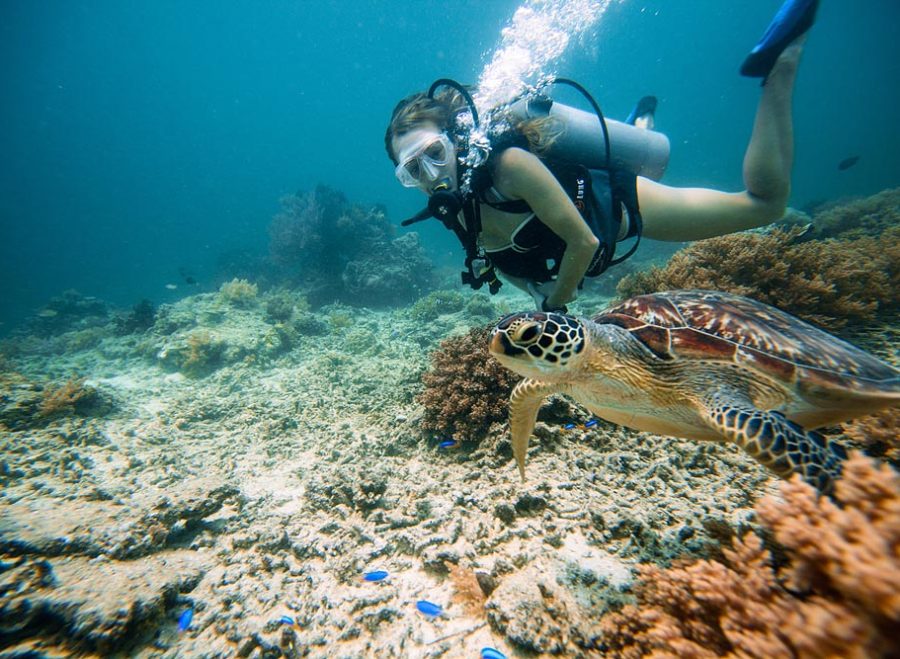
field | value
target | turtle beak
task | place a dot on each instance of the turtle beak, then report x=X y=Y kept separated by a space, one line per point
x=501 y=346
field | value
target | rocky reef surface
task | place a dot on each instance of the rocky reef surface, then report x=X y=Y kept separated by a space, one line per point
x=248 y=467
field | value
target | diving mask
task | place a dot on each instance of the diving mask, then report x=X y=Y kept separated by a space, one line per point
x=425 y=160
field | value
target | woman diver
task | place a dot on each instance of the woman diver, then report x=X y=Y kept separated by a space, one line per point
x=532 y=221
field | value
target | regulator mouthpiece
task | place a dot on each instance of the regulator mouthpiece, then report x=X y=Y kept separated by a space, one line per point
x=445 y=204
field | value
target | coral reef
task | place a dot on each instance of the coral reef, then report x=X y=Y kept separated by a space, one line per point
x=239 y=293
x=828 y=283
x=878 y=434
x=340 y=251
x=139 y=319
x=837 y=596
x=282 y=305
x=70 y=397
x=66 y=312
x=465 y=390
x=871 y=216
x=435 y=304
x=202 y=354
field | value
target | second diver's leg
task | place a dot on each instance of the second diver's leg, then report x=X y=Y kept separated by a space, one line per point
x=770 y=153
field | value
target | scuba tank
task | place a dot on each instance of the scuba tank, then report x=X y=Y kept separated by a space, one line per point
x=637 y=150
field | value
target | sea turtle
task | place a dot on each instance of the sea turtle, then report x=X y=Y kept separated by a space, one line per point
x=701 y=365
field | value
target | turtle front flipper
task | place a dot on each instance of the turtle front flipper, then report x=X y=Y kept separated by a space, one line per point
x=779 y=444
x=524 y=404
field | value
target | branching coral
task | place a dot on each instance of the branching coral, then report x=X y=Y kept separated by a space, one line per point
x=465 y=390
x=828 y=283
x=68 y=398
x=839 y=595
x=878 y=433
x=866 y=217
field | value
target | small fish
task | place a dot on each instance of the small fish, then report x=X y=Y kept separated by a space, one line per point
x=569 y=426
x=375 y=575
x=847 y=163
x=448 y=443
x=286 y=620
x=429 y=609
x=184 y=620
x=591 y=423
x=172 y=287
x=491 y=653
x=188 y=278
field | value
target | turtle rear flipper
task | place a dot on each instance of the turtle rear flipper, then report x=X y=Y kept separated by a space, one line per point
x=776 y=442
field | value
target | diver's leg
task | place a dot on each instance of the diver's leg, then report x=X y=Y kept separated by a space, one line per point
x=770 y=154
x=694 y=213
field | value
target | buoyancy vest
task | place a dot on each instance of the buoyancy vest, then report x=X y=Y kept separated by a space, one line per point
x=603 y=197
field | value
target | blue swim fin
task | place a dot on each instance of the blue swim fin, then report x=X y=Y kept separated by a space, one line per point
x=644 y=112
x=793 y=19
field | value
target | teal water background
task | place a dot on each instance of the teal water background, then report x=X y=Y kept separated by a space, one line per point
x=141 y=137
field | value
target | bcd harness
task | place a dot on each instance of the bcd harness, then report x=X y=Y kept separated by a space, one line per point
x=600 y=195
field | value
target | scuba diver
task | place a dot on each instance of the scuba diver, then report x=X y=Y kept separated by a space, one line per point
x=546 y=198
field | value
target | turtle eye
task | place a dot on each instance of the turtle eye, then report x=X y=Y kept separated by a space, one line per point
x=528 y=334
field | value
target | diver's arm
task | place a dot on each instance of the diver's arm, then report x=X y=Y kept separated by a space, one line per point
x=694 y=213
x=519 y=174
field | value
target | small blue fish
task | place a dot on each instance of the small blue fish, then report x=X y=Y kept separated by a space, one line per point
x=591 y=423
x=286 y=620
x=491 y=653
x=430 y=609
x=448 y=443
x=375 y=575
x=184 y=620
x=569 y=426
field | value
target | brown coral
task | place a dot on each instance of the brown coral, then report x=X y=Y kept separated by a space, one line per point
x=466 y=590
x=465 y=390
x=70 y=397
x=828 y=283
x=878 y=433
x=864 y=217
x=838 y=597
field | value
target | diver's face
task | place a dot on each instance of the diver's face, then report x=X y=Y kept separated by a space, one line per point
x=427 y=159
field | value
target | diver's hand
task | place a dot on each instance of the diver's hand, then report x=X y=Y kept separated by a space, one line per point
x=541 y=294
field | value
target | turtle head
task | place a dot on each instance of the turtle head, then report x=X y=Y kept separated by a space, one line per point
x=538 y=345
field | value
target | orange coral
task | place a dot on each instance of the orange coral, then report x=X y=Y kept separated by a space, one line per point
x=465 y=390
x=829 y=283
x=838 y=597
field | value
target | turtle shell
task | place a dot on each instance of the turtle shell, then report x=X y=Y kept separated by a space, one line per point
x=711 y=325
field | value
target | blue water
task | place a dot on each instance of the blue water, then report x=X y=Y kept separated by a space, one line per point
x=138 y=138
